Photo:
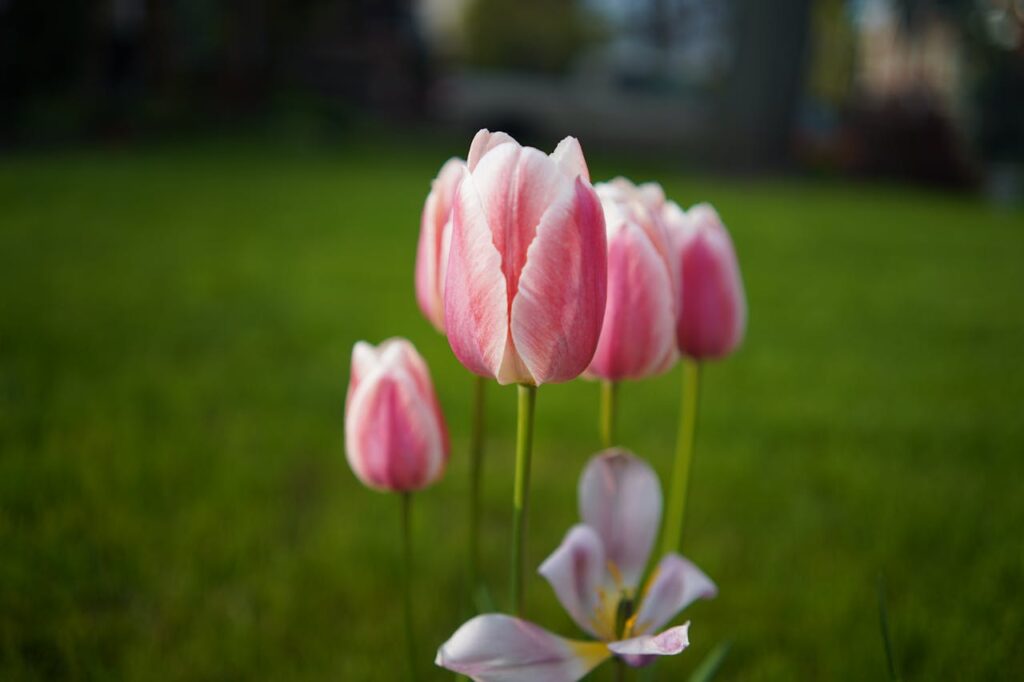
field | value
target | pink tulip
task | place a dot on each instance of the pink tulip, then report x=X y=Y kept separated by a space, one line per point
x=435 y=239
x=527 y=271
x=638 y=336
x=714 y=308
x=395 y=436
x=595 y=572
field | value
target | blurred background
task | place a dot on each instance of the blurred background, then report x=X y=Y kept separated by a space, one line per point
x=204 y=204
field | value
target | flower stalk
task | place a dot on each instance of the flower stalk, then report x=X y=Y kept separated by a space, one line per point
x=410 y=636
x=676 y=516
x=521 y=492
x=609 y=412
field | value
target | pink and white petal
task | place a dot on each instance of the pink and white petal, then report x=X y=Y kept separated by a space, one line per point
x=620 y=497
x=668 y=643
x=431 y=250
x=392 y=440
x=638 y=336
x=442 y=263
x=712 y=319
x=499 y=648
x=516 y=186
x=399 y=353
x=483 y=142
x=559 y=307
x=476 y=300
x=675 y=584
x=569 y=157
x=577 y=573
x=364 y=361
x=652 y=195
x=427 y=251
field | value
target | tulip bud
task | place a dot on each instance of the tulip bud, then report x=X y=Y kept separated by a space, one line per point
x=638 y=337
x=713 y=316
x=527 y=270
x=395 y=436
x=435 y=239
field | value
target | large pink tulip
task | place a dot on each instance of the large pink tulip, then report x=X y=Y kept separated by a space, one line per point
x=595 y=574
x=395 y=436
x=638 y=335
x=434 y=242
x=527 y=271
x=713 y=317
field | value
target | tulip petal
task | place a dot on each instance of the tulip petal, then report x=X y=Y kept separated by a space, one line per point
x=364 y=360
x=675 y=584
x=499 y=648
x=483 y=142
x=713 y=317
x=559 y=306
x=476 y=299
x=668 y=643
x=638 y=336
x=393 y=439
x=399 y=352
x=577 y=573
x=516 y=186
x=432 y=248
x=620 y=498
x=569 y=157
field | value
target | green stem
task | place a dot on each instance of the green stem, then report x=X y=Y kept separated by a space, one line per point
x=676 y=516
x=410 y=638
x=521 y=492
x=620 y=670
x=476 y=454
x=609 y=409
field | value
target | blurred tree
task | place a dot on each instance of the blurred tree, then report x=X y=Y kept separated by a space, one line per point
x=764 y=88
x=530 y=35
x=994 y=33
x=833 y=47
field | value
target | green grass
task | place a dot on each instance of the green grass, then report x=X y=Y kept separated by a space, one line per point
x=175 y=328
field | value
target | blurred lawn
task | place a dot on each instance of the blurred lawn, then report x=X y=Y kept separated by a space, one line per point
x=175 y=326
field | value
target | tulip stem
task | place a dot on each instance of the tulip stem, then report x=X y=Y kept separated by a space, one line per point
x=521 y=492
x=674 y=520
x=620 y=670
x=476 y=455
x=609 y=411
x=410 y=638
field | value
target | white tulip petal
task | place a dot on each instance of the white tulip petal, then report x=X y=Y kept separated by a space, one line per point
x=577 y=573
x=675 y=584
x=499 y=648
x=620 y=498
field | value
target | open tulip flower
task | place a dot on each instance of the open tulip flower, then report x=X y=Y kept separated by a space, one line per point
x=526 y=278
x=395 y=436
x=435 y=241
x=638 y=337
x=595 y=574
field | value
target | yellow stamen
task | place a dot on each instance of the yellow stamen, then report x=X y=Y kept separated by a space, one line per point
x=616 y=574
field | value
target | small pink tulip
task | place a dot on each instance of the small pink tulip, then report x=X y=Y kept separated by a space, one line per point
x=714 y=308
x=527 y=271
x=395 y=436
x=638 y=338
x=435 y=239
